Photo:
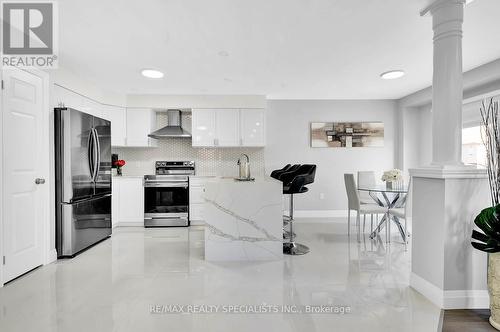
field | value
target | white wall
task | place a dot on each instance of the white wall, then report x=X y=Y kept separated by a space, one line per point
x=288 y=141
x=417 y=137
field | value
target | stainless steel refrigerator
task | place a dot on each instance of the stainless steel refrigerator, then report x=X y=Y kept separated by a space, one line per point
x=83 y=180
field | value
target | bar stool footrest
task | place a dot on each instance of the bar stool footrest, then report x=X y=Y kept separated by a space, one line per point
x=294 y=249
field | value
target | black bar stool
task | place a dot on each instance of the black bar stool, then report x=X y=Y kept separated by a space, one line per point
x=277 y=172
x=285 y=174
x=285 y=178
x=294 y=183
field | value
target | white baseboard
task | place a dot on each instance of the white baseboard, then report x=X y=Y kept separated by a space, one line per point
x=322 y=214
x=432 y=292
x=466 y=299
x=319 y=213
x=141 y=224
x=51 y=256
x=451 y=299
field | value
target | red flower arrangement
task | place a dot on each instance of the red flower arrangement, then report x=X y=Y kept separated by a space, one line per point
x=119 y=164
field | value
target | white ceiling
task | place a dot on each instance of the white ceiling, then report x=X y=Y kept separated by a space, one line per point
x=279 y=48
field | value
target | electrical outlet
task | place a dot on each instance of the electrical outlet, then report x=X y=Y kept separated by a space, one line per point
x=321 y=196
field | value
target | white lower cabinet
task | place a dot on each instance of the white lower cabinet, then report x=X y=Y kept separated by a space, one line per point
x=196 y=200
x=127 y=201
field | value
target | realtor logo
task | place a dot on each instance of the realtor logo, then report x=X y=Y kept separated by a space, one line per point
x=28 y=34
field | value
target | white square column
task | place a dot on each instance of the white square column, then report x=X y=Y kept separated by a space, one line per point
x=445 y=267
x=447 y=195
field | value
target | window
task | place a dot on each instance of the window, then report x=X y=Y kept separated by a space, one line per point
x=473 y=150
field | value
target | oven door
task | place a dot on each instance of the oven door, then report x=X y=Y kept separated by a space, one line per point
x=166 y=204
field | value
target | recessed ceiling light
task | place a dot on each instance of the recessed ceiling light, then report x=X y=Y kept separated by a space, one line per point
x=152 y=73
x=392 y=74
x=223 y=53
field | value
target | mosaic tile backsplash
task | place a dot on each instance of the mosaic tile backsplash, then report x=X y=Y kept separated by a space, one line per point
x=209 y=161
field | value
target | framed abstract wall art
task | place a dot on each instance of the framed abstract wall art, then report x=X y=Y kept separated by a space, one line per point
x=347 y=134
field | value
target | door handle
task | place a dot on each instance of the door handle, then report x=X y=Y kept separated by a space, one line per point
x=39 y=181
x=98 y=154
x=90 y=153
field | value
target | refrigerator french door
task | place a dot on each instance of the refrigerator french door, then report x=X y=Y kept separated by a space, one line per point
x=83 y=180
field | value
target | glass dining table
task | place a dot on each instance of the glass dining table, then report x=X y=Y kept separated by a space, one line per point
x=389 y=198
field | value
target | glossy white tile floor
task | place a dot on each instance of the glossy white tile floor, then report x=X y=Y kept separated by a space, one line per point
x=111 y=286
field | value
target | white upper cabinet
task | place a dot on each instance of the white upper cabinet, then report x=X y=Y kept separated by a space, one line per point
x=67 y=98
x=118 y=117
x=227 y=127
x=91 y=107
x=129 y=127
x=253 y=131
x=140 y=123
x=203 y=127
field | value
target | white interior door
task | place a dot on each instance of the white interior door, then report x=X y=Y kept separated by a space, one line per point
x=22 y=156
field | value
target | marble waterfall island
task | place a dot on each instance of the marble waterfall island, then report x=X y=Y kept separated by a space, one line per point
x=243 y=220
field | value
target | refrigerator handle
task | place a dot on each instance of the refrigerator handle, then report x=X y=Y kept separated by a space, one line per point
x=90 y=154
x=95 y=158
x=98 y=154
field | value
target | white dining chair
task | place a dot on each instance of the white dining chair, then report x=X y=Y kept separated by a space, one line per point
x=366 y=179
x=404 y=213
x=354 y=204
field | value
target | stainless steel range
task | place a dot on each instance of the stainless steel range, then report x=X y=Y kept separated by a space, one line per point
x=166 y=194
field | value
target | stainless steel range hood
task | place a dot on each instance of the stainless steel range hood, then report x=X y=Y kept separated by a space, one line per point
x=173 y=129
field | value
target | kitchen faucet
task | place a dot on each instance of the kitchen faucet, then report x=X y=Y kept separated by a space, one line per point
x=244 y=167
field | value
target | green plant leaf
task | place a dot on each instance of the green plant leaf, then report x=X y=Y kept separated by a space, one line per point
x=485 y=247
x=479 y=236
x=487 y=221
